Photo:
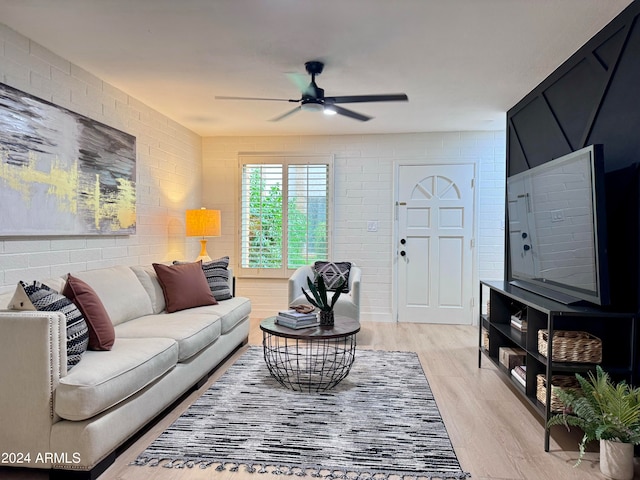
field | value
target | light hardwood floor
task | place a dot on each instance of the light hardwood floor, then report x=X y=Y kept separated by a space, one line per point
x=494 y=433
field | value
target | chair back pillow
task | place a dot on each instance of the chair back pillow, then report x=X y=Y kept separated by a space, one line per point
x=333 y=273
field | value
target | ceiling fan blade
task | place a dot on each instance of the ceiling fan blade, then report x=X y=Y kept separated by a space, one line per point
x=351 y=114
x=255 y=98
x=301 y=82
x=393 y=97
x=285 y=115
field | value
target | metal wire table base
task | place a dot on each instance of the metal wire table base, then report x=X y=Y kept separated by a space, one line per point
x=309 y=365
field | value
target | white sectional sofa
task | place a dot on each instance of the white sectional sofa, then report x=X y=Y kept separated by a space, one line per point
x=73 y=421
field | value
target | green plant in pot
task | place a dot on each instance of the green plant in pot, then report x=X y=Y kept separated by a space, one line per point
x=605 y=411
x=319 y=298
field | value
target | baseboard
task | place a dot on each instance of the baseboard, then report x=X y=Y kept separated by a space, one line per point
x=376 y=317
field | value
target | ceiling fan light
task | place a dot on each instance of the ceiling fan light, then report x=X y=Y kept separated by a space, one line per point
x=312 y=107
x=329 y=110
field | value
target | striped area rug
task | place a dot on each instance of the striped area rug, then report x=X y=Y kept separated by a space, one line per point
x=380 y=422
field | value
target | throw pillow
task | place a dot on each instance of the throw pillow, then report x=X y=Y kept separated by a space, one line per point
x=333 y=273
x=218 y=277
x=184 y=286
x=101 y=333
x=42 y=298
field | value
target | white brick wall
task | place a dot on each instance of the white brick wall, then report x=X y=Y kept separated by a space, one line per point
x=364 y=169
x=170 y=160
x=168 y=169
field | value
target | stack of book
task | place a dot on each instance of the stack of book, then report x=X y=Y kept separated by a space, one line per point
x=295 y=320
x=520 y=374
x=519 y=323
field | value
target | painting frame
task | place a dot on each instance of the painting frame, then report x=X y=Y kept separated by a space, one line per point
x=62 y=173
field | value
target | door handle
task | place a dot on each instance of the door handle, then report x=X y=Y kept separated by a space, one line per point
x=403 y=241
x=403 y=253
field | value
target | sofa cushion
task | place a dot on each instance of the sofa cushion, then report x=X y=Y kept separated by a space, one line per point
x=104 y=379
x=149 y=280
x=184 y=286
x=122 y=294
x=231 y=312
x=38 y=296
x=101 y=333
x=192 y=331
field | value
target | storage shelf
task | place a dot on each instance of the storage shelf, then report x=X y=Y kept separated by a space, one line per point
x=515 y=335
x=543 y=313
x=506 y=372
x=577 y=367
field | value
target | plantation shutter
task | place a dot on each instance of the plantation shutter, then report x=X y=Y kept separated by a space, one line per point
x=284 y=209
x=262 y=216
x=307 y=214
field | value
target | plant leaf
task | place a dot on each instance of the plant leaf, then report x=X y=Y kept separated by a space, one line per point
x=339 y=291
x=322 y=291
x=312 y=288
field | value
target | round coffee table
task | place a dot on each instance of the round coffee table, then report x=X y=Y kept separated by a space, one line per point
x=310 y=359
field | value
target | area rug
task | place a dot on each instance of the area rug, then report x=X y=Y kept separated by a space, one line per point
x=380 y=422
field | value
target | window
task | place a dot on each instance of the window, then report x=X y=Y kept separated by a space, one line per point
x=285 y=213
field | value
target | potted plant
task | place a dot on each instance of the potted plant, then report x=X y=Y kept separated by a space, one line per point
x=319 y=298
x=607 y=412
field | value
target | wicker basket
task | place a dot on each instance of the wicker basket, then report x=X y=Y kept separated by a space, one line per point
x=571 y=346
x=485 y=339
x=560 y=381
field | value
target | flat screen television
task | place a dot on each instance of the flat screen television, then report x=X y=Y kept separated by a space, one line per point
x=557 y=228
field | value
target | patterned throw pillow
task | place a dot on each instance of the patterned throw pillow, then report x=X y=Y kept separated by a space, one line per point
x=218 y=277
x=45 y=299
x=333 y=273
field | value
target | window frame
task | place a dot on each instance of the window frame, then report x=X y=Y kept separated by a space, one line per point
x=284 y=159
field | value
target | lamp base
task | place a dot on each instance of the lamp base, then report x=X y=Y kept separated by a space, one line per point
x=204 y=256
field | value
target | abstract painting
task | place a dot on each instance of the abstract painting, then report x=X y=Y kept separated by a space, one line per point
x=62 y=173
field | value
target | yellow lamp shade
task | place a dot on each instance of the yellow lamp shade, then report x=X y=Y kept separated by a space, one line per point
x=203 y=223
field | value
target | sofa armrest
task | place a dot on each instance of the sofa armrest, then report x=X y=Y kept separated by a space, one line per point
x=299 y=280
x=354 y=284
x=33 y=357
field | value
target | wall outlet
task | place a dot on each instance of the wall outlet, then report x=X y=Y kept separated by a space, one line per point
x=557 y=216
x=372 y=226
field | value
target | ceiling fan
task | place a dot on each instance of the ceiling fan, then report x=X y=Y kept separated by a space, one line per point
x=313 y=98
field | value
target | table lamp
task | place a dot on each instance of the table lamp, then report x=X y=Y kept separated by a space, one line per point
x=203 y=223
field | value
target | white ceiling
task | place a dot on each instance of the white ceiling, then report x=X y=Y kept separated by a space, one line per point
x=463 y=63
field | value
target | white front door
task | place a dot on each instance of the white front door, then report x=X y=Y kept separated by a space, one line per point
x=435 y=206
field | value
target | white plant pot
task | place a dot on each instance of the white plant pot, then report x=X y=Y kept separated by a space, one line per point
x=616 y=460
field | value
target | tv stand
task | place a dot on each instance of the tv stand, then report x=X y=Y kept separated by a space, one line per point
x=616 y=330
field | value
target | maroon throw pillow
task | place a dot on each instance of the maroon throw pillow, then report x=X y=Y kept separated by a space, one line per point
x=184 y=286
x=102 y=336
